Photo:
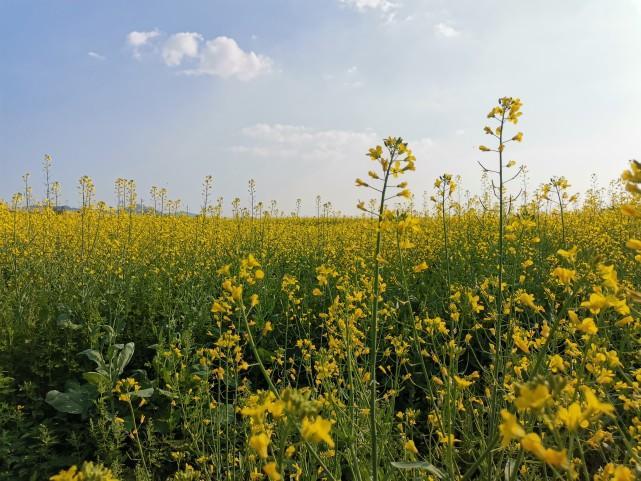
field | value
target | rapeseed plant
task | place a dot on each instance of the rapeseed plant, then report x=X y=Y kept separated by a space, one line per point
x=476 y=340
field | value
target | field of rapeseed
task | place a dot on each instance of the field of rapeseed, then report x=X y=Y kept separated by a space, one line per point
x=491 y=338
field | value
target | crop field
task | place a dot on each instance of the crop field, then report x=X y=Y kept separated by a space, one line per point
x=491 y=338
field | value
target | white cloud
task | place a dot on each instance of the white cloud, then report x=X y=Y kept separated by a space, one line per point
x=363 y=5
x=137 y=40
x=296 y=134
x=445 y=30
x=284 y=140
x=180 y=45
x=97 y=56
x=305 y=143
x=222 y=57
x=386 y=8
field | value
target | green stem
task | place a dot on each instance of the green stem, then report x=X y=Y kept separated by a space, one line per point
x=135 y=430
x=445 y=239
x=499 y=296
x=374 y=328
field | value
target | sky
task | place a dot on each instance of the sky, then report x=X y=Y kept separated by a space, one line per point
x=292 y=93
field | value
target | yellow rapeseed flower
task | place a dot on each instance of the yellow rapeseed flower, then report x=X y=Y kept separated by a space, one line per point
x=410 y=447
x=596 y=303
x=317 y=430
x=572 y=417
x=531 y=443
x=271 y=470
x=593 y=405
x=510 y=428
x=569 y=254
x=462 y=383
x=588 y=326
x=259 y=443
x=532 y=398
x=565 y=276
x=420 y=267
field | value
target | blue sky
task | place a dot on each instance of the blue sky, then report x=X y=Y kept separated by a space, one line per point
x=292 y=92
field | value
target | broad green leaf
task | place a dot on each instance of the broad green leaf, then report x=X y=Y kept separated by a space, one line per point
x=109 y=329
x=124 y=357
x=143 y=392
x=96 y=357
x=96 y=378
x=76 y=400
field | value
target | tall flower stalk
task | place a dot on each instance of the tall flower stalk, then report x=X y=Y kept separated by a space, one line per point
x=560 y=186
x=445 y=187
x=508 y=110
x=399 y=160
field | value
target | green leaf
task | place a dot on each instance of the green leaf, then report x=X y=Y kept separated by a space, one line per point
x=419 y=465
x=509 y=469
x=96 y=357
x=143 y=392
x=169 y=394
x=96 y=378
x=78 y=399
x=109 y=329
x=124 y=357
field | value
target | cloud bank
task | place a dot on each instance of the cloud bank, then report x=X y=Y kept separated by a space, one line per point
x=219 y=57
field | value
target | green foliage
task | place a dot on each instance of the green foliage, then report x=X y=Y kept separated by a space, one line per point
x=77 y=399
